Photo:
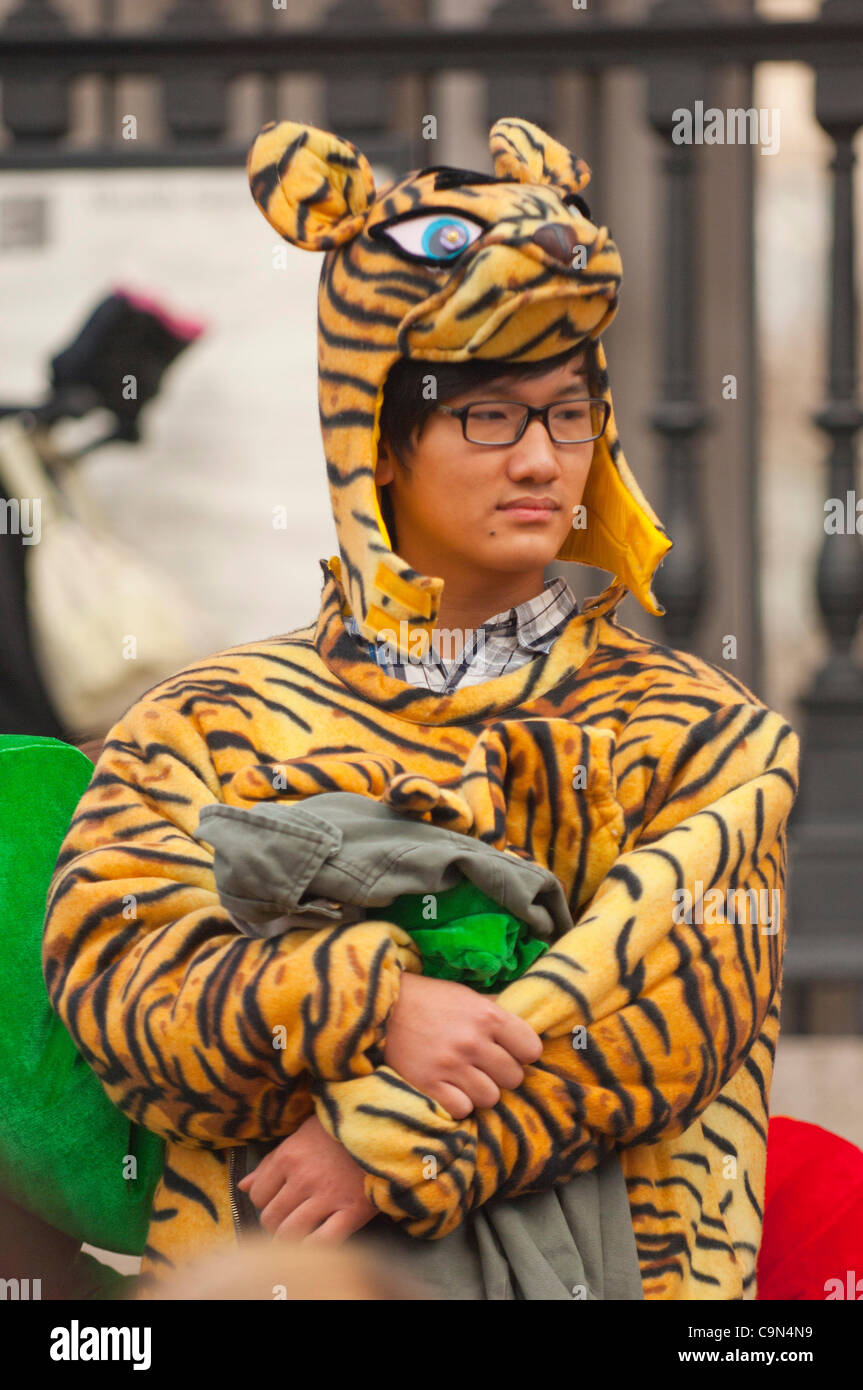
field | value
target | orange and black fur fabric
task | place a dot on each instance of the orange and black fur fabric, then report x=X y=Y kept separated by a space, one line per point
x=645 y=778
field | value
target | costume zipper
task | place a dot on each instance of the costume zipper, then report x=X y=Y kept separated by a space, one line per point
x=232 y=1189
x=243 y=1211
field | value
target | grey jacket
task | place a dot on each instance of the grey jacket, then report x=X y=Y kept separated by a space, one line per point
x=284 y=864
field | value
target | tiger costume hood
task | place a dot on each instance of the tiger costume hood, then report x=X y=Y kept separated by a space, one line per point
x=448 y=265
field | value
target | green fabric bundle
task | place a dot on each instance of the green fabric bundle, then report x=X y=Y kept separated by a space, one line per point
x=63 y=1145
x=470 y=939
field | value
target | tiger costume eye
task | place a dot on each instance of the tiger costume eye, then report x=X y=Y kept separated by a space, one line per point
x=435 y=236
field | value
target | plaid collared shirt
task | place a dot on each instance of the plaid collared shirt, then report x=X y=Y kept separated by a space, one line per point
x=504 y=642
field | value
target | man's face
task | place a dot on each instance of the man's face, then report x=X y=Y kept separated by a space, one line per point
x=454 y=507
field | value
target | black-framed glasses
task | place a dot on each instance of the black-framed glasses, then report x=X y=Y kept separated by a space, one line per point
x=575 y=421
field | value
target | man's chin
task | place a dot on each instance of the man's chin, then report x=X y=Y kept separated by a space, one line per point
x=497 y=549
x=519 y=548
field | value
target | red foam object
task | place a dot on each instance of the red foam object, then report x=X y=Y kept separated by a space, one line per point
x=813 y=1214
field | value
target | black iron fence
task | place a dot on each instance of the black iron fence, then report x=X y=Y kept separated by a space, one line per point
x=193 y=55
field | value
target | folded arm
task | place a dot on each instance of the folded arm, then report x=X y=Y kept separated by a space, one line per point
x=197 y=1033
x=665 y=1011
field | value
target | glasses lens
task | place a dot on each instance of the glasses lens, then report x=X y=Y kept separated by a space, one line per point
x=494 y=422
x=577 y=421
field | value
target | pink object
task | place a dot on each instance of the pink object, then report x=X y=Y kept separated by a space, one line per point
x=189 y=329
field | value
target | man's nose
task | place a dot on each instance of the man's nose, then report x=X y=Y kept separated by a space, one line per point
x=557 y=240
x=535 y=452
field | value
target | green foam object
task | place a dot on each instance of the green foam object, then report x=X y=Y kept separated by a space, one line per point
x=470 y=939
x=63 y=1143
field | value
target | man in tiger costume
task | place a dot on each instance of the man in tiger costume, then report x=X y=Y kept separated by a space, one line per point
x=641 y=776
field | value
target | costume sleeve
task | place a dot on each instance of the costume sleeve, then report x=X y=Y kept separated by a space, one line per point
x=644 y=1015
x=196 y=1032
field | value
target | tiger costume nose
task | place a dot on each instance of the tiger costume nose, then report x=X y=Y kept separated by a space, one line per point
x=558 y=241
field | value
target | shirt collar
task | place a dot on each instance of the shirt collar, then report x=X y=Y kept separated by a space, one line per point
x=532 y=625
x=537 y=621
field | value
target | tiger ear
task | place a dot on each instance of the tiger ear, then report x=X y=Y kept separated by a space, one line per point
x=522 y=151
x=314 y=188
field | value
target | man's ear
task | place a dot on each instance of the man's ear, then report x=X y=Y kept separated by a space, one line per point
x=314 y=188
x=384 y=467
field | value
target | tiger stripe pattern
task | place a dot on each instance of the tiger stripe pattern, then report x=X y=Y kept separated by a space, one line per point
x=691 y=779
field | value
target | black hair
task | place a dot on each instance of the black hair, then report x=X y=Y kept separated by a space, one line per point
x=406 y=410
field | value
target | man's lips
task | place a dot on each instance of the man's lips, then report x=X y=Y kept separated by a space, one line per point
x=530 y=507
